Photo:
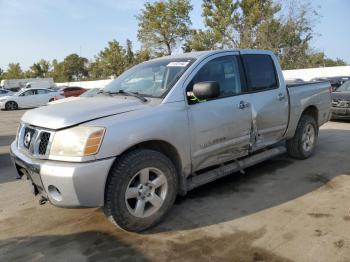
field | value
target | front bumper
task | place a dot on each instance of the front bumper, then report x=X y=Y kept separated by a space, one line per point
x=2 y=105
x=65 y=184
x=340 y=113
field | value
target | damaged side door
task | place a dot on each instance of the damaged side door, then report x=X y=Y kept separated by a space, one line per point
x=220 y=128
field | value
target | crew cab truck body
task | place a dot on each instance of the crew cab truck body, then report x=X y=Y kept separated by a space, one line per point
x=164 y=127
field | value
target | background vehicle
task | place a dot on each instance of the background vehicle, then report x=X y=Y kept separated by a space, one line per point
x=335 y=81
x=27 y=98
x=89 y=93
x=17 y=84
x=341 y=102
x=4 y=92
x=165 y=127
x=71 y=91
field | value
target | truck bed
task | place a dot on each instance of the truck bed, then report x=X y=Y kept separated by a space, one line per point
x=304 y=95
x=306 y=83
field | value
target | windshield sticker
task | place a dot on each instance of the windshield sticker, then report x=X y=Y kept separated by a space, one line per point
x=178 y=64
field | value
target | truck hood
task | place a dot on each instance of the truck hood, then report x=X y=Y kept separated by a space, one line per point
x=70 y=113
x=64 y=100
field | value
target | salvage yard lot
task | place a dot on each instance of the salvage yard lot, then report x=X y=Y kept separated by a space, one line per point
x=280 y=210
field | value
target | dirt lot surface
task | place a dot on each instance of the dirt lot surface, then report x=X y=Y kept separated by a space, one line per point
x=281 y=210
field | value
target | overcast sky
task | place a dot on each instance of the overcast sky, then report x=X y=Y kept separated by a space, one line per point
x=35 y=29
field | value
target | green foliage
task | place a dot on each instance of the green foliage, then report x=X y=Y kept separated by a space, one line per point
x=130 y=58
x=163 y=24
x=72 y=68
x=115 y=59
x=111 y=61
x=142 y=55
x=13 y=71
x=284 y=27
x=39 y=69
x=200 y=41
x=220 y=17
x=320 y=60
x=2 y=74
x=261 y=24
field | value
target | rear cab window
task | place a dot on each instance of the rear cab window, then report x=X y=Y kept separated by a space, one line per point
x=260 y=72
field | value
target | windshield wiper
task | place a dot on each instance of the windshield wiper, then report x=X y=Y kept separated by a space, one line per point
x=123 y=92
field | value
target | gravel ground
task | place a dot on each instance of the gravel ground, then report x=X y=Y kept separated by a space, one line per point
x=280 y=210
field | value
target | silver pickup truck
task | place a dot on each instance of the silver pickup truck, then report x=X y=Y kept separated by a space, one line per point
x=165 y=127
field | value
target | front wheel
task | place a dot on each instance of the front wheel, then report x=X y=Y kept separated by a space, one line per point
x=302 y=145
x=141 y=189
x=11 y=105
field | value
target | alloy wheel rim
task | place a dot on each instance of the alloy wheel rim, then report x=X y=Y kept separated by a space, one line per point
x=146 y=192
x=11 y=106
x=308 y=138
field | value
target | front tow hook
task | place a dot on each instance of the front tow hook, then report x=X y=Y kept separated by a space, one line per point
x=43 y=200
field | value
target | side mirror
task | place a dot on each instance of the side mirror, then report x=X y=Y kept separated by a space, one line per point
x=206 y=90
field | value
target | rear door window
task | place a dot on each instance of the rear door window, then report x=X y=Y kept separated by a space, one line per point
x=260 y=72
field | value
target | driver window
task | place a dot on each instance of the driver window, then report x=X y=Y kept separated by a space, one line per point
x=225 y=71
x=29 y=93
x=41 y=91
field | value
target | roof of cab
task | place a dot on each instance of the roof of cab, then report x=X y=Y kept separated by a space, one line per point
x=200 y=54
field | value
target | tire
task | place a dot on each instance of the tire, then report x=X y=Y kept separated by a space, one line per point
x=51 y=100
x=11 y=105
x=126 y=175
x=302 y=145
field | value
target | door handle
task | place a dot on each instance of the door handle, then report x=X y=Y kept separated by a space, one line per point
x=243 y=105
x=281 y=96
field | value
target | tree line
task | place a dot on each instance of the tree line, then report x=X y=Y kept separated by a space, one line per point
x=284 y=27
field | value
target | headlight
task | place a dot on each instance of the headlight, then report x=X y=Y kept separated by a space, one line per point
x=77 y=141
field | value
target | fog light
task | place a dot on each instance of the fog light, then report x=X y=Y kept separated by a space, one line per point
x=55 y=193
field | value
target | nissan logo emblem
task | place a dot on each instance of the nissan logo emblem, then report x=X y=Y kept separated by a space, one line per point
x=27 y=139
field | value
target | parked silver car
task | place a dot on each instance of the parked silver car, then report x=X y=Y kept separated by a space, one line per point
x=4 y=92
x=165 y=127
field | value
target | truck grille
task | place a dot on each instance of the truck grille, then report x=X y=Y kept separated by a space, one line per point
x=340 y=103
x=34 y=141
x=44 y=142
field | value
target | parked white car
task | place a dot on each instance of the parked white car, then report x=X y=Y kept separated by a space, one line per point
x=28 y=98
x=4 y=92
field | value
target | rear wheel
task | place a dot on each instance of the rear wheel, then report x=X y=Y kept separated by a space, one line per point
x=302 y=145
x=11 y=105
x=141 y=189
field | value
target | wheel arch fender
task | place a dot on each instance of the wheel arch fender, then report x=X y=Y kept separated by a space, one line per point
x=169 y=151
x=310 y=110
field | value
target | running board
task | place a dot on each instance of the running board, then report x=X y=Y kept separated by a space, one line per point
x=236 y=166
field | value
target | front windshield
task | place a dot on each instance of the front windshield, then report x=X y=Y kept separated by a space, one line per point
x=153 y=78
x=344 y=87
